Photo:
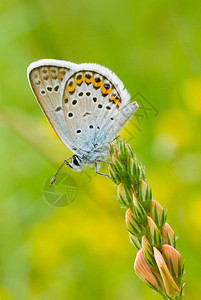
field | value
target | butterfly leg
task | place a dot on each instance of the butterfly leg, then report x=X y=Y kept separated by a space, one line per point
x=96 y=170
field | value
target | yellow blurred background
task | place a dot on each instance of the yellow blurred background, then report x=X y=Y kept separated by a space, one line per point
x=82 y=251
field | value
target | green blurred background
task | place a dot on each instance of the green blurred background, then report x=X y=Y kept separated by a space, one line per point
x=82 y=251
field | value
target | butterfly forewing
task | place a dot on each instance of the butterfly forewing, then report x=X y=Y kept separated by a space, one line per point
x=45 y=80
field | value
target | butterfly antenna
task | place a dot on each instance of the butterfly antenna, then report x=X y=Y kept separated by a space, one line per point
x=57 y=173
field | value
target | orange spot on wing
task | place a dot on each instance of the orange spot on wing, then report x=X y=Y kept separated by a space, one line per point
x=112 y=98
x=96 y=84
x=105 y=91
x=71 y=88
x=79 y=81
x=117 y=100
x=88 y=80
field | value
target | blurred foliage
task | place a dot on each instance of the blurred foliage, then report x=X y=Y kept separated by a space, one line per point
x=82 y=251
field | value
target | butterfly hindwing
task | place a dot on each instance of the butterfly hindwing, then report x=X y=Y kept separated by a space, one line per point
x=123 y=116
x=91 y=103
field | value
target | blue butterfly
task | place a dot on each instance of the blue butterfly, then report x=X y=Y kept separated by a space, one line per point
x=86 y=105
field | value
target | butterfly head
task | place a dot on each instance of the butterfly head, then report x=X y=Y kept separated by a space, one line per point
x=76 y=163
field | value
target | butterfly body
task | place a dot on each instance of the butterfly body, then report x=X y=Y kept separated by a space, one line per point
x=86 y=104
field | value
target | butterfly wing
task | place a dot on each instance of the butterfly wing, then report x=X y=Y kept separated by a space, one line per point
x=45 y=78
x=119 y=120
x=86 y=104
x=93 y=99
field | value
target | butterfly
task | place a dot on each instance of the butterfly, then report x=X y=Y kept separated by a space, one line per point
x=86 y=105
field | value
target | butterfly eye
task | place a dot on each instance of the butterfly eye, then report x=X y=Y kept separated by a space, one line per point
x=75 y=161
